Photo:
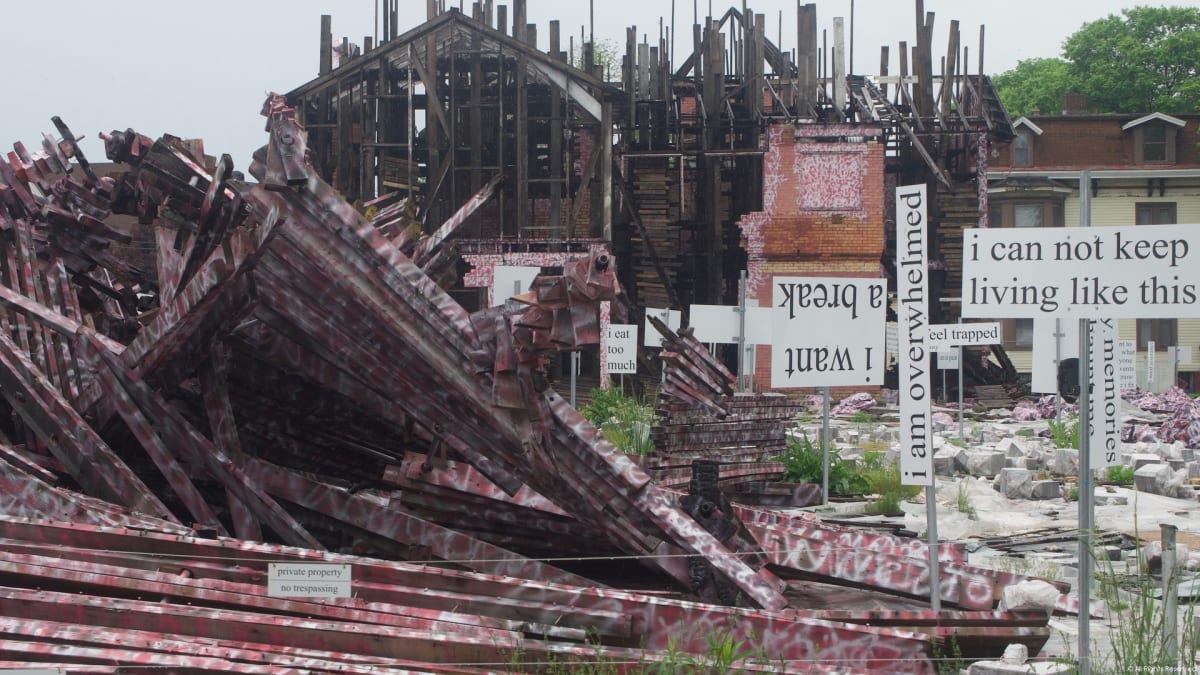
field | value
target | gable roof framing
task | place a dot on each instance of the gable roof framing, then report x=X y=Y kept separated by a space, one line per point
x=454 y=29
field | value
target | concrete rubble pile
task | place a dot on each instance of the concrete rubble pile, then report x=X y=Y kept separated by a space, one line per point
x=297 y=387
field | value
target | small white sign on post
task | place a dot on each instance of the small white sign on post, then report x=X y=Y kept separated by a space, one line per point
x=308 y=580
x=828 y=331
x=507 y=278
x=650 y=335
x=947 y=359
x=622 y=348
x=1104 y=409
x=1150 y=351
x=722 y=323
x=1179 y=354
x=946 y=335
x=1126 y=364
x=1054 y=341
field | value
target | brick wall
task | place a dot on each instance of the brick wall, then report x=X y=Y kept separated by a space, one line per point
x=1094 y=141
x=823 y=212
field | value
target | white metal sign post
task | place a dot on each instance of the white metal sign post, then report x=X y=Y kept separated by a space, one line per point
x=1100 y=273
x=912 y=313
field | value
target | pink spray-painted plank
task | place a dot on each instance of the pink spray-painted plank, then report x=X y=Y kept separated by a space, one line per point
x=247 y=597
x=28 y=287
x=213 y=386
x=177 y=321
x=464 y=477
x=236 y=653
x=364 y=638
x=375 y=513
x=87 y=458
x=178 y=476
x=27 y=495
x=142 y=403
x=659 y=618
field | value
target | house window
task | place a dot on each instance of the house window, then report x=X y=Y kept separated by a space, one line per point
x=1155 y=213
x=1018 y=333
x=1023 y=333
x=1022 y=154
x=1161 y=331
x=1026 y=213
x=1154 y=143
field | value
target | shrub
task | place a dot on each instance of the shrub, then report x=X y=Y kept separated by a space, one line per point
x=623 y=420
x=802 y=464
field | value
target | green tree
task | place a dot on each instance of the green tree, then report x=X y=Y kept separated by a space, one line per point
x=1145 y=60
x=1035 y=86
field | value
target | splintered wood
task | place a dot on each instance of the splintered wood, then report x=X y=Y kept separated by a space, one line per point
x=279 y=378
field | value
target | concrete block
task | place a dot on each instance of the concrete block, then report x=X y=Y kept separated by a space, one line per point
x=1193 y=469
x=1011 y=448
x=945 y=464
x=1045 y=489
x=1064 y=462
x=1153 y=478
x=985 y=463
x=1138 y=460
x=1015 y=483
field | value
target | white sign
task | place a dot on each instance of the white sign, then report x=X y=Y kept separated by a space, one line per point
x=912 y=313
x=650 y=335
x=1054 y=341
x=721 y=324
x=891 y=339
x=308 y=580
x=621 y=344
x=1081 y=273
x=1179 y=354
x=963 y=334
x=828 y=331
x=1150 y=349
x=508 y=281
x=947 y=359
x=1104 y=409
x=1126 y=364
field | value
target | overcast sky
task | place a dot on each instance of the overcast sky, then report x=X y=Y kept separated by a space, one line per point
x=201 y=69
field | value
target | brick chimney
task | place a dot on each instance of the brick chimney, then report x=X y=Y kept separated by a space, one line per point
x=1075 y=103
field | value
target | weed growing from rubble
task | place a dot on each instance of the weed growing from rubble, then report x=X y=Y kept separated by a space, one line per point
x=1024 y=433
x=1138 y=620
x=1065 y=434
x=949 y=664
x=963 y=500
x=884 y=479
x=1120 y=474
